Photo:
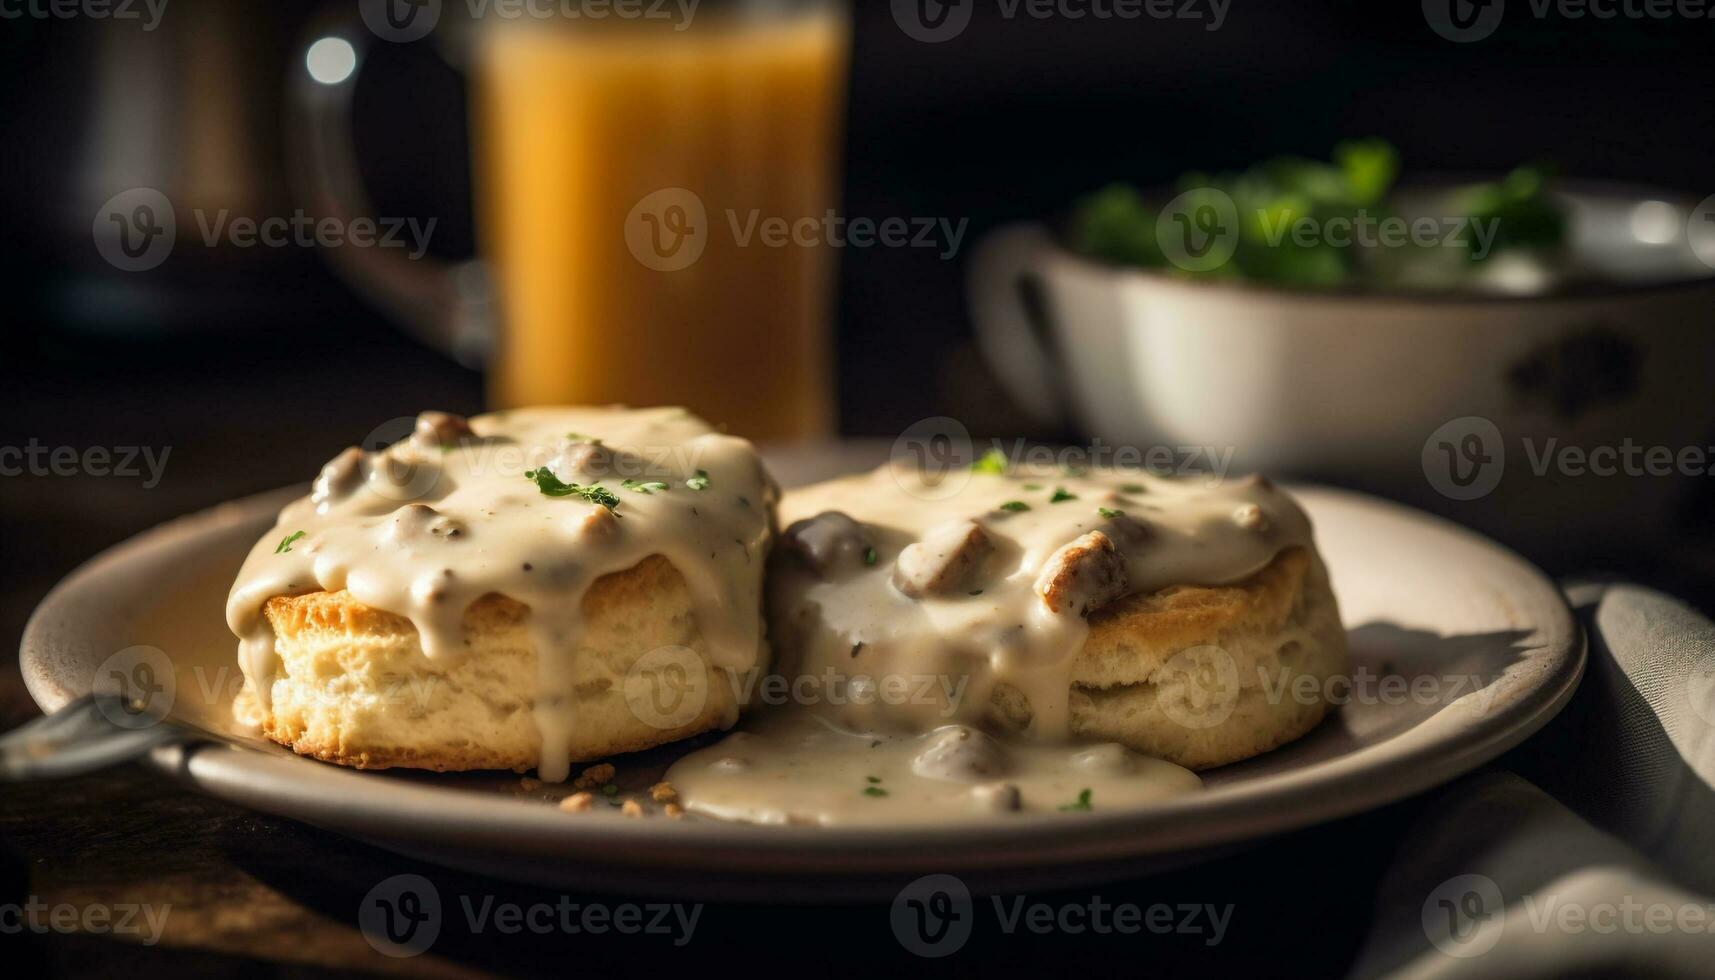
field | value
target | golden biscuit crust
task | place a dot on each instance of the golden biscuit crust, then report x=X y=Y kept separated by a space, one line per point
x=1204 y=676
x=355 y=689
x=1130 y=639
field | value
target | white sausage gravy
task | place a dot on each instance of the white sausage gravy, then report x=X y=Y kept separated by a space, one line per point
x=535 y=505
x=900 y=604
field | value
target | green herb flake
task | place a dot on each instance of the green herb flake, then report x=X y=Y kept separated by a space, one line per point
x=873 y=779
x=1133 y=488
x=552 y=486
x=874 y=791
x=1108 y=513
x=1061 y=495
x=1083 y=804
x=1033 y=486
x=1014 y=506
x=286 y=542
x=869 y=556
x=992 y=463
x=650 y=487
x=611 y=790
x=700 y=481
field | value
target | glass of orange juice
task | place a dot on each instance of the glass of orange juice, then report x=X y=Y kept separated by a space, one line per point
x=624 y=164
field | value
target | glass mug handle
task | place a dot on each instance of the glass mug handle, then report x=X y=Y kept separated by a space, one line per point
x=1006 y=333
x=445 y=304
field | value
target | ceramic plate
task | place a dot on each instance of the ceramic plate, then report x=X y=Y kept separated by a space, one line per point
x=1461 y=649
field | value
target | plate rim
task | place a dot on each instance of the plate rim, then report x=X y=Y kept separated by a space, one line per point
x=1219 y=816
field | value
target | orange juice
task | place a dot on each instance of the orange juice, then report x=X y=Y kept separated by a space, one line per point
x=597 y=146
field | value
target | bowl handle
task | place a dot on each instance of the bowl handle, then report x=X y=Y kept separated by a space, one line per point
x=1013 y=342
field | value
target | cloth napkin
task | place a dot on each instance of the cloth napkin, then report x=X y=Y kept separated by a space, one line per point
x=1594 y=854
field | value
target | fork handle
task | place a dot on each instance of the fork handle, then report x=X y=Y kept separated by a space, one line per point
x=80 y=738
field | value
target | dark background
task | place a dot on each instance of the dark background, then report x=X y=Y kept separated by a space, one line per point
x=256 y=366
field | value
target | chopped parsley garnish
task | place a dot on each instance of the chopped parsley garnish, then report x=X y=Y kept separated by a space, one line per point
x=1133 y=488
x=1109 y=513
x=869 y=556
x=873 y=779
x=992 y=462
x=1082 y=804
x=578 y=437
x=612 y=790
x=1061 y=496
x=286 y=542
x=1033 y=486
x=1014 y=506
x=698 y=482
x=552 y=486
x=650 y=487
x=874 y=791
